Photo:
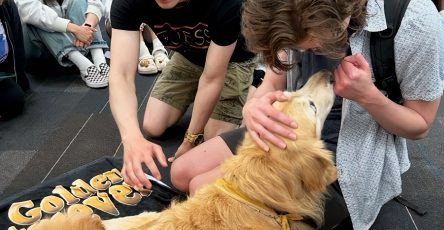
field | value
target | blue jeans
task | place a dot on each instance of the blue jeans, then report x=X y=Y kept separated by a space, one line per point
x=38 y=42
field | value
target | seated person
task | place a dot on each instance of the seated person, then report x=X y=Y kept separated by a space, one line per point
x=68 y=30
x=13 y=79
x=148 y=63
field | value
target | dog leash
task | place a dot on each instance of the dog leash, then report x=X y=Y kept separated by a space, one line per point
x=235 y=193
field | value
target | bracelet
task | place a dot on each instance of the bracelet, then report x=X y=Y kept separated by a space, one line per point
x=194 y=139
x=86 y=24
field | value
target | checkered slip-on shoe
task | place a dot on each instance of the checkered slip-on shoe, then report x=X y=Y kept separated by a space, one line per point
x=94 y=78
x=104 y=69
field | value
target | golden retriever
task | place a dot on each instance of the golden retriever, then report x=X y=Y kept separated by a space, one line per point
x=279 y=189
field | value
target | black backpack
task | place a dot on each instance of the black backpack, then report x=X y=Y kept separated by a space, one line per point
x=383 y=62
x=382 y=50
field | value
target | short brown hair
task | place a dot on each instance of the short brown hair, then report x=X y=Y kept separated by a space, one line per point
x=270 y=26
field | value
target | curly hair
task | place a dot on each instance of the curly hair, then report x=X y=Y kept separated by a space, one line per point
x=270 y=26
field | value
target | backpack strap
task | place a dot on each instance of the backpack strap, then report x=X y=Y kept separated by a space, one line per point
x=382 y=50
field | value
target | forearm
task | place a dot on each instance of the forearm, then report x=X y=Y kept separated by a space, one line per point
x=412 y=120
x=94 y=12
x=122 y=91
x=123 y=102
x=207 y=95
x=273 y=81
x=72 y=27
x=92 y=20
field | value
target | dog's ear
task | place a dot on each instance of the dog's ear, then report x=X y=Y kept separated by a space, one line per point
x=319 y=171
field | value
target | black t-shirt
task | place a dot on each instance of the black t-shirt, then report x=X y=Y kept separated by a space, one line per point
x=187 y=29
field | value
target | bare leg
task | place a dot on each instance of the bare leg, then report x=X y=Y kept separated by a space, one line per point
x=198 y=161
x=159 y=116
x=203 y=179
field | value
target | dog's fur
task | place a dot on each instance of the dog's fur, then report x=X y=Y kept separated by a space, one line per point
x=288 y=181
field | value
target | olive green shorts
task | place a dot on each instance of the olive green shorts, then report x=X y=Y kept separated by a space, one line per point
x=177 y=86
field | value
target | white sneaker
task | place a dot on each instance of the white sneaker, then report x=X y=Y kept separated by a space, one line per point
x=94 y=78
x=161 y=59
x=147 y=66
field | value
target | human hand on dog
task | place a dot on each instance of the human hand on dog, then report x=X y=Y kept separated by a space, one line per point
x=265 y=123
x=136 y=152
x=353 y=79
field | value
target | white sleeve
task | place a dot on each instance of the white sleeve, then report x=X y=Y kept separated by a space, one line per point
x=40 y=15
x=107 y=4
x=96 y=7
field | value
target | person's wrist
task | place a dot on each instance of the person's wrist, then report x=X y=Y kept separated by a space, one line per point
x=87 y=24
x=127 y=139
x=194 y=138
x=72 y=27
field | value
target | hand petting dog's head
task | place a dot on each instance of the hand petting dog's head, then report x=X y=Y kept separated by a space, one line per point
x=310 y=103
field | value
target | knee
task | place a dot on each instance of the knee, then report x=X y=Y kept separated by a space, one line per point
x=152 y=129
x=179 y=177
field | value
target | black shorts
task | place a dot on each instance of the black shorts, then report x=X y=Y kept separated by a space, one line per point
x=233 y=138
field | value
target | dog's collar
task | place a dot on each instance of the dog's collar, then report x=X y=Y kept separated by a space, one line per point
x=235 y=193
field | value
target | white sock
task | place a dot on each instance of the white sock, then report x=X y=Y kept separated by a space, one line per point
x=158 y=46
x=97 y=56
x=144 y=51
x=80 y=61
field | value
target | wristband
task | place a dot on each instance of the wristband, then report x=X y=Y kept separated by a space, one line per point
x=86 y=24
x=194 y=139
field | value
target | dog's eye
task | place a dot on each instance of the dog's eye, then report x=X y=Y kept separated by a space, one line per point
x=313 y=106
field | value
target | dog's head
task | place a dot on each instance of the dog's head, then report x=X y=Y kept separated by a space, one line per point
x=310 y=105
x=292 y=179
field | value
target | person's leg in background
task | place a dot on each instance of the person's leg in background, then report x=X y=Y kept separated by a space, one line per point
x=146 y=59
x=40 y=43
x=155 y=62
x=149 y=63
x=76 y=13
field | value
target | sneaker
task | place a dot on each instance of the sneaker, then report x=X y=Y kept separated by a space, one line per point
x=147 y=66
x=161 y=59
x=94 y=78
x=104 y=69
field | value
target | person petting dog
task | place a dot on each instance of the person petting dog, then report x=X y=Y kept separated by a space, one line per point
x=371 y=149
x=241 y=198
x=209 y=67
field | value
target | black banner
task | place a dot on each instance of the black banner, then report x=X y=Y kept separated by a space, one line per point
x=94 y=188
